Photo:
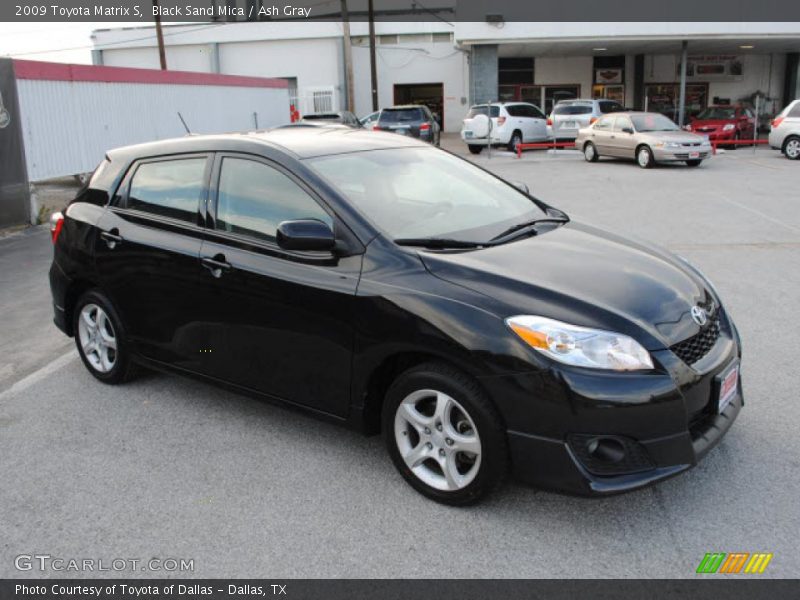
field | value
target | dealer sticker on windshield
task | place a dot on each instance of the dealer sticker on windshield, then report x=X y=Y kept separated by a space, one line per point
x=728 y=387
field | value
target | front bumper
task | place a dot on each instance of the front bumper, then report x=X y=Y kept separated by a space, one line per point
x=682 y=154
x=665 y=421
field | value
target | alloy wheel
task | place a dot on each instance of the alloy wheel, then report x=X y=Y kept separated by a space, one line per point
x=643 y=157
x=793 y=149
x=437 y=440
x=97 y=338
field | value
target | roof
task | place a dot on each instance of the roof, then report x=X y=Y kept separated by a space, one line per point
x=302 y=142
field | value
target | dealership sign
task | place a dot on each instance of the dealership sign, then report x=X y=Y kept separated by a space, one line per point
x=608 y=75
x=713 y=67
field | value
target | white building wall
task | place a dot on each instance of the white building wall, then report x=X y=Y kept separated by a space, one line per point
x=563 y=70
x=69 y=126
x=195 y=57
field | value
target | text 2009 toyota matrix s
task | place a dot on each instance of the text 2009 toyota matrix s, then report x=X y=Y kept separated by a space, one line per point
x=383 y=283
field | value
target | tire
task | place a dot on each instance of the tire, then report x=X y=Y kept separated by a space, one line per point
x=693 y=163
x=432 y=414
x=475 y=149
x=516 y=138
x=100 y=339
x=438 y=140
x=737 y=136
x=644 y=157
x=791 y=147
x=590 y=152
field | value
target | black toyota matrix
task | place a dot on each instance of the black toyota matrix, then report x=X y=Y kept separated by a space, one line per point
x=383 y=283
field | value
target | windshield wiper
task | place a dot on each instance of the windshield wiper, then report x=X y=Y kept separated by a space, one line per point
x=517 y=229
x=436 y=243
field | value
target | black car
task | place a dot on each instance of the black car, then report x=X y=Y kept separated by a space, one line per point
x=413 y=121
x=343 y=117
x=379 y=282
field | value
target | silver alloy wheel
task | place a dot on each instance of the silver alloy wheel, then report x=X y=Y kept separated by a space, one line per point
x=438 y=440
x=643 y=157
x=588 y=152
x=793 y=149
x=97 y=337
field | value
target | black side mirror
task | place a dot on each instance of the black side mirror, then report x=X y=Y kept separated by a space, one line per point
x=305 y=235
x=627 y=130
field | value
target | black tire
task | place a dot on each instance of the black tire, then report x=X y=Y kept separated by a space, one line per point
x=474 y=148
x=736 y=137
x=693 y=163
x=516 y=138
x=494 y=463
x=590 y=152
x=123 y=369
x=438 y=140
x=644 y=157
x=789 y=151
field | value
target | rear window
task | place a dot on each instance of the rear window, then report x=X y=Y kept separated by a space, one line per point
x=572 y=109
x=483 y=110
x=401 y=115
x=609 y=107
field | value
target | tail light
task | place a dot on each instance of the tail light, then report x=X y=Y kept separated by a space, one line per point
x=375 y=128
x=592 y=120
x=550 y=122
x=424 y=127
x=500 y=121
x=56 y=223
x=776 y=122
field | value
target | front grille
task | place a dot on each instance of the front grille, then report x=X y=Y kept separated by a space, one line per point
x=696 y=347
x=685 y=155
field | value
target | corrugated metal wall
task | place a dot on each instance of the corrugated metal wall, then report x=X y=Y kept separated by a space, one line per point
x=69 y=125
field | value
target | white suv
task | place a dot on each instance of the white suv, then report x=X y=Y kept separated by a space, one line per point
x=785 y=132
x=512 y=123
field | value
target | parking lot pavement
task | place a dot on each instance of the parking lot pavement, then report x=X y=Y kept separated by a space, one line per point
x=168 y=467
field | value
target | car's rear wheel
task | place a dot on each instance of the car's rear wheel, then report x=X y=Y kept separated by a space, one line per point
x=444 y=435
x=644 y=157
x=516 y=140
x=590 y=152
x=474 y=148
x=693 y=163
x=791 y=148
x=737 y=136
x=100 y=341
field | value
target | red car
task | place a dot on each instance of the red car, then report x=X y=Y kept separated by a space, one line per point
x=722 y=123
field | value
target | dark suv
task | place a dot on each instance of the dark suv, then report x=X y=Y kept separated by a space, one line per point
x=377 y=281
x=414 y=121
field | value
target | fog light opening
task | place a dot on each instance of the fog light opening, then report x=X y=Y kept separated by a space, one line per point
x=606 y=449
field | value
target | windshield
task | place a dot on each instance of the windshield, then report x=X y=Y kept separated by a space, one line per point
x=653 y=122
x=717 y=112
x=424 y=192
x=483 y=110
x=401 y=115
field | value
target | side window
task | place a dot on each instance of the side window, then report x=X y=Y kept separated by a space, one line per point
x=535 y=112
x=514 y=110
x=604 y=123
x=255 y=198
x=170 y=188
x=795 y=112
x=621 y=123
x=609 y=107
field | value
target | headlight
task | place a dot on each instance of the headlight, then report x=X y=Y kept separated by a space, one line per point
x=729 y=127
x=580 y=346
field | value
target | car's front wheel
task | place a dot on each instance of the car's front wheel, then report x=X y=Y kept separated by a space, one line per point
x=516 y=140
x=644 y=156
x=791 y=148
x=590 y=152
x=475 y=148
x=99 y=338
x=444 y=435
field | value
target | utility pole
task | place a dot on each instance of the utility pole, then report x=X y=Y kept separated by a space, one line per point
x=162 y=56
x=348 y=58
x=372 y=66
x=682 y=100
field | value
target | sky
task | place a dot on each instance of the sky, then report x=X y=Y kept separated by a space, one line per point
x=56 y=42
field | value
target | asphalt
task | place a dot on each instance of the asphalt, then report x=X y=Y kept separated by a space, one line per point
x=170 y=468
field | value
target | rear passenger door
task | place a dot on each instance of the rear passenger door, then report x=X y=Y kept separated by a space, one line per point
x=277 y=322
x=600 y=135
x=147 y=255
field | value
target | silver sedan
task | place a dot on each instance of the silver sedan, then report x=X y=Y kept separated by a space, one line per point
x=645 y=137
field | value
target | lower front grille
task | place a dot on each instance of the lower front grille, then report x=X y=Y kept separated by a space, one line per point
x=685 y=156
x=610 y=455
x=696 y=347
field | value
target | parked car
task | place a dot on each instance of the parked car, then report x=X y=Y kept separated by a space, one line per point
x=647 y=138
x=785 y=131
x=411 y=120
x=342 y=117
x=512 y=123
x=369 y=121
x=568 y=116
x=724 y=123
x=384 y=284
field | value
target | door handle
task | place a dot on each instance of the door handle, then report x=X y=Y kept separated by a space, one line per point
x=216 y=265
x=111 y=238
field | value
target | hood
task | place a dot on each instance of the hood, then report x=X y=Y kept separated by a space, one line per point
x=584 y=276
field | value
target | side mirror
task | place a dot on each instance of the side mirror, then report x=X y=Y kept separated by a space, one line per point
x=523 y=187
x=305 y=235
x=627 y=130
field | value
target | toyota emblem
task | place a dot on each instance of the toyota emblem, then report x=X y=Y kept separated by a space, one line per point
x=699 y=315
